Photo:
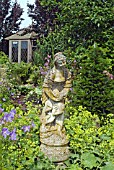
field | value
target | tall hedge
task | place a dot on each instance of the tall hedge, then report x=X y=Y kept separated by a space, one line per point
x=93 y=87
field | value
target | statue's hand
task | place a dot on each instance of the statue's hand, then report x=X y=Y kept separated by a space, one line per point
x=63 y=94
x=56 y=93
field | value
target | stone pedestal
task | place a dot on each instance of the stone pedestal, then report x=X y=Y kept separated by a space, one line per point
x=54 y=144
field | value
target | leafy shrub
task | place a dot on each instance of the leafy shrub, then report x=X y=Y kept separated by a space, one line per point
x=91 y=142
x=5 y=91
x=91 y=87
x=35 y=76
x=18 y=72
x=3 y=58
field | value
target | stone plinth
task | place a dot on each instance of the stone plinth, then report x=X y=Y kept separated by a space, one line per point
x=54 y=144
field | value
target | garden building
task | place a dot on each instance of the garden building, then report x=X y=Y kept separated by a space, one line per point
x=22 y=45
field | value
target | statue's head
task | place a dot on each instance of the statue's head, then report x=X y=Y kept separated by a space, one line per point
x=59 y=60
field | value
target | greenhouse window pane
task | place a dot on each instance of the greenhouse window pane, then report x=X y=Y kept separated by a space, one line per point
x=24 y=50
x=15 y=51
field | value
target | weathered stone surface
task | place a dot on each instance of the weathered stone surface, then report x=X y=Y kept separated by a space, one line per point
x=55 y=153
x=52 y=137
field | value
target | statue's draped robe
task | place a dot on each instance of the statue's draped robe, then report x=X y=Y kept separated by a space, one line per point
x=54 y=142
x=55 y=88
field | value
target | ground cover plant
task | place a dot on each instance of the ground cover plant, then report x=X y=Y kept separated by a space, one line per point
x=91 y=141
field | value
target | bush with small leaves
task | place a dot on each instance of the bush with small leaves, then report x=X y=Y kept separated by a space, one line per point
x=91 y=141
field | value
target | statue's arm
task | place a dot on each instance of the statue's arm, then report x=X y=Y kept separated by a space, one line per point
x=64 y=92
x=50 y=94
x=67 y=86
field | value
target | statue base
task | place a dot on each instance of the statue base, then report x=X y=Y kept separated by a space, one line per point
x=55 y=153
x=54 y=144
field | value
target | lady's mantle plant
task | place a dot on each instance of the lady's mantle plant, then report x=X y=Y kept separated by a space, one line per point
x=91 y=139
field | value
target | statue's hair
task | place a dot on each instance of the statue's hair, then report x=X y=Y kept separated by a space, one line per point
x=58 y=55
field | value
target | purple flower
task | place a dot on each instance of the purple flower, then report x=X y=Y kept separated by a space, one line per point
x=19 y=102
x=43 y=73
x=1 y=110
x=5 y=132
x=49 y=56
x=71 y=89
x=8 y=117
x=46 y=64
x=0 y=82
x=48 y=61
x=111 y=76
x=41 y=68
x=26 y=128
x=2 y=121
x=33 y=125
x=12 y=113
x=13 y=134
x=12 y=94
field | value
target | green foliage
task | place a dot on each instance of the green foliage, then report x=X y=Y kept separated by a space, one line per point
x=40 y=53
x=85 y=21
x=3 y=59
x=75 y=167
x=19 y=72
x=86 y=157
x=91 y=142
x=21 y=150
x=81 y=23
x=108 y=166
x=92 y=88
x=34 y=75
x=4 y=91
x=34 y=95
x=44 y=48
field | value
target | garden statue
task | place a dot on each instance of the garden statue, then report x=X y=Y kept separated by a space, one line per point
x=56 y=86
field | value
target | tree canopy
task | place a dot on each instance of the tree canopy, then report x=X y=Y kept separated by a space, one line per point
x=75 y=24
x=10 y=19
x=43 y=17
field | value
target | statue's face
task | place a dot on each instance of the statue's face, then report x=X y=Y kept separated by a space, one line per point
x=61 y=61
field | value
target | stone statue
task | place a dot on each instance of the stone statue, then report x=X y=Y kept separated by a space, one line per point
x=55 y=89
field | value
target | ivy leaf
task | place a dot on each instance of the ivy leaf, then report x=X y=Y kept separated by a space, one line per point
x=89 y=160
x=109 y=166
